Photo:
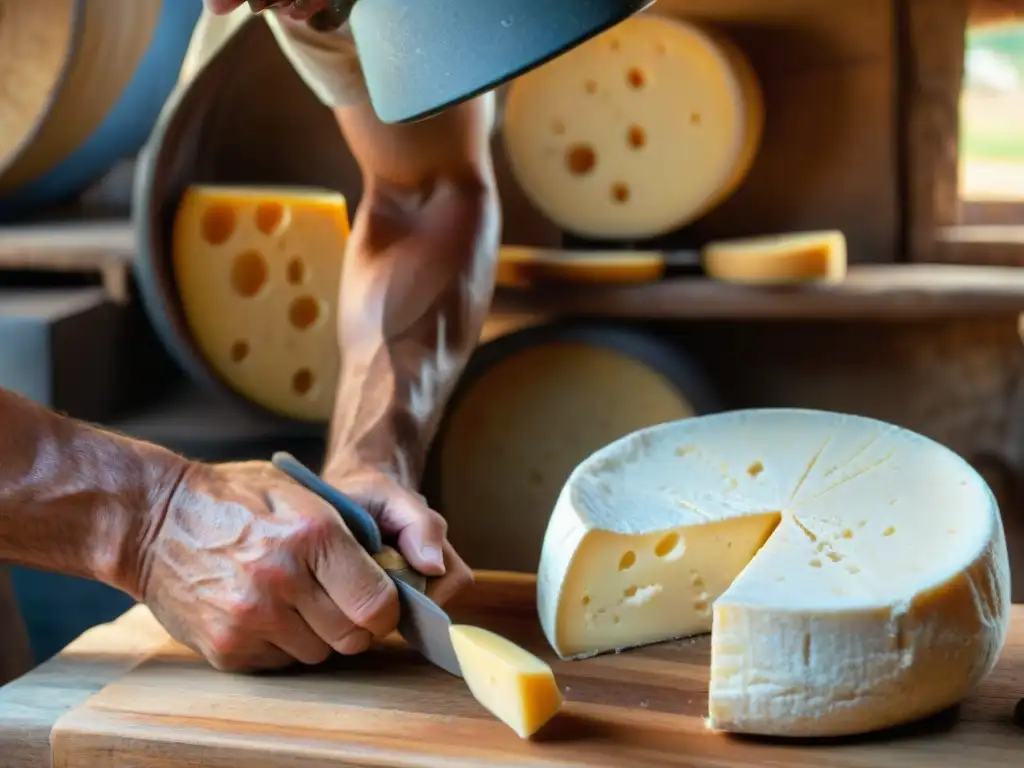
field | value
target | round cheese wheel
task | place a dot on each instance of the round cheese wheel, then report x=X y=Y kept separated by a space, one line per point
x=636 y=132
x=530 y=407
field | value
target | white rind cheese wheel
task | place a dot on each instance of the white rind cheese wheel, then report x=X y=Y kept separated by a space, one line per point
x=258 y=272
x=638 y=131
x=880 y=595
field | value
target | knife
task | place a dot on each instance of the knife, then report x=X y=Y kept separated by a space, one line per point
x=422 y=623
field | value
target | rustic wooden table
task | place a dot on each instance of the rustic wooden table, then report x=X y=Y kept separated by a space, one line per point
x=31 y=705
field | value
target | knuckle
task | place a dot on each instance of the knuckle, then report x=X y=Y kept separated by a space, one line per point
x=224 y=643
x=314 y=531
x=376 y=607
x=244 y=610
x=275 y=578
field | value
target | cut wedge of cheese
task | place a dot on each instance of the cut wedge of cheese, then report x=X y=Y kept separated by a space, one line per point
x=784 y=258
x=638 y=131
x=880 y=595
x=510 y=682
x=258 y=272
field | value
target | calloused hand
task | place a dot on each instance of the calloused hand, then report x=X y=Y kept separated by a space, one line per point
x=253 y=571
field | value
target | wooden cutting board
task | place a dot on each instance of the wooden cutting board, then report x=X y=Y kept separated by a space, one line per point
x=390 y=708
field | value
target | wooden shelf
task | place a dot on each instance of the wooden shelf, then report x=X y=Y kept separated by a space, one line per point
x=870 y=292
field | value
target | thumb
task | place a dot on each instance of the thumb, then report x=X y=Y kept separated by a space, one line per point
x=419 y=530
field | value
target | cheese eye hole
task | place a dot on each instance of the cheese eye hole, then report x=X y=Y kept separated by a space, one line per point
x=302 y=381
x=590 y=86
x=580 y=159
x=627 y=560
x=269 y=217
x=295 y=272
x=636 y=78
x=620 y=192
x=248 y=273
x=239 y=351
x=637 y=137
x=670 y=545
x=303 y=312
x=695 y=118
x=217 y=224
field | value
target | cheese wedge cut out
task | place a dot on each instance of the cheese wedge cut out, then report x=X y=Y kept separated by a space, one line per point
x=880 y=594
x=510 y=682
x=783 y=258
x=258 y=271
x=638 y=131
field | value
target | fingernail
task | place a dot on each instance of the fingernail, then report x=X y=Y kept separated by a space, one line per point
x=432 y=555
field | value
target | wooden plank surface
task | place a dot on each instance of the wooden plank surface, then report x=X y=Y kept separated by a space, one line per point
x=390 y=708
x=30 y=705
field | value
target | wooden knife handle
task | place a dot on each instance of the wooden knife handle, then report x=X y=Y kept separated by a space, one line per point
x=391 y=560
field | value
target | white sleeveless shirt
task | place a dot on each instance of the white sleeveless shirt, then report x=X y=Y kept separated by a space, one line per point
x=326 y=61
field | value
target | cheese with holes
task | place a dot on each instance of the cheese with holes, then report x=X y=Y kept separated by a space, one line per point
x=258 y=272
x=880 y=594
x=510 y=682
x=786 y=258
x=636 y=132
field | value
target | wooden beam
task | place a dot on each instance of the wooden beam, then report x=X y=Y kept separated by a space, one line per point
x=931 y=43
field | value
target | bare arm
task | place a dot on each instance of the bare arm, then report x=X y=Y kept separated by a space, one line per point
x=417 y=282
x=74 y=498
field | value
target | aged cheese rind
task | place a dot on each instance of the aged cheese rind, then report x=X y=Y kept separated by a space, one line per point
x=258 y=271
x=882 y=596
x=636 y=132
x=510 y=682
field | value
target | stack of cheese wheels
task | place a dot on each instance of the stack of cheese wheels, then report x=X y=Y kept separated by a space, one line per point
x=81 y=84
x=638 y=131
x=854 y=575
x=529 y=408
x=257 y=272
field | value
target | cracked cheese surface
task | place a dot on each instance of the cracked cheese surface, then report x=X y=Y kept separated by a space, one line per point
x=880 y=594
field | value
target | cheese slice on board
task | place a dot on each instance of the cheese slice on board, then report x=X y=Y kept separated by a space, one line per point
x=510 y=682
x=880 y=594
x=638 y=131
x=258 y=271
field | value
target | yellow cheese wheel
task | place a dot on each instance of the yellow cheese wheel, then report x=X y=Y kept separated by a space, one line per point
x=636 y=132
x=529 y=408
x=258 y=272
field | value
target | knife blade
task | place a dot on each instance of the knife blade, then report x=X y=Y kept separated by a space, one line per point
x=422 y=623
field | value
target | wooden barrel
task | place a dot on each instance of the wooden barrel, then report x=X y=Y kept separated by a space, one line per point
x=266 y=128
x=81 y=84
x=529 y=408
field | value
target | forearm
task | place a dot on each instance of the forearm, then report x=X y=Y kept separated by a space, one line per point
x=417 y=290
x=73 y=498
